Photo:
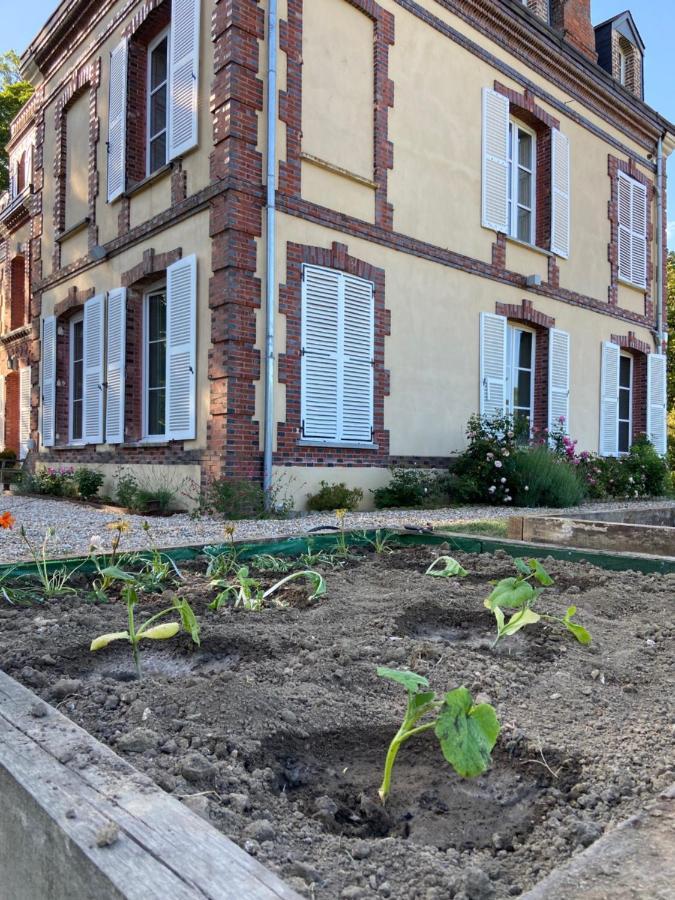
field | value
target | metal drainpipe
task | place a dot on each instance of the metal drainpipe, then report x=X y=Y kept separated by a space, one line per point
x=270 y=292
x=660 y=262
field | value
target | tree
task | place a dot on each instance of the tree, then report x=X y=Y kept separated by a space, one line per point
x=14 y=93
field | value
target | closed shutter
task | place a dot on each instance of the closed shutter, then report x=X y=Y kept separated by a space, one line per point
x=495 y=161
x=319 y=367
x=115 y=352
x=559 y=379
x=183 y=77
x=560 y=194
x=92 y=426
x=48 y=392
x=657 y=429
x=181 y=349
x=357 y=356
x=25 y=387
x=493 y=399
x=2 y=412
x=117 y=115
x=632 y=208
x=609 y=400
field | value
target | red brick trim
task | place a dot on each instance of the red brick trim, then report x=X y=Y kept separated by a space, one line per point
x=290 y=102
x=151 y=266
x=499 y=252
x=526 y=105
x=639 y=350
x=630 y=342
x=289 y=432
x=74 y=299
x=524 y=313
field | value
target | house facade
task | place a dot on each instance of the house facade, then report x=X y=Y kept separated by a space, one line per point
x=312 y=237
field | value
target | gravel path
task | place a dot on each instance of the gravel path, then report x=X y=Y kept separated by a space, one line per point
x=75 y=524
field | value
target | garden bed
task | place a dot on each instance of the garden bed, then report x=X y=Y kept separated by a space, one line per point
x=277 y=725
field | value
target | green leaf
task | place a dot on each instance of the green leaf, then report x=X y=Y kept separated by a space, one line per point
x=578 y=631
x=421 y=699
x=411 y=681
x=540 y=573
x=188 y=620
x=522 y=567
x=519 y=620
x=117 y=574
x=450 y=567
x=467 y=733
x=100 y=642
x=512 y=593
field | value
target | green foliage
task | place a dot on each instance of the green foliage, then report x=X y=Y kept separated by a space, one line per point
x=8 y=454
x=334 y=496
x=381 y=542
x=149 y=499
x=540 y=478
x=242 y=499
x=466 y=733
x=446 y=567
x=53 y=482
x=488 y=527
x=266 y=562
x=53 y=582
x=88 y=482
x=313 y=558
x=125 y=490
x=483 y=473
x=248 y=592
x=14 y=94
x=412 y=489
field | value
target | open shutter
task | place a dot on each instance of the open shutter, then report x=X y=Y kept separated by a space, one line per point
x=657 y=429
x=558 y=379
x=117 y=116
x=48 y=392
x=493 y=399
x=639 y=240
x=357 y=356
x=181 y=349
x=560 y=194
x=495 y=161
x=625 y=240
x=183 y=76
x=115 y=351
x=609 y=400
x=92 y=430
x=2 y=412
x=25 y=387
x=319 y=367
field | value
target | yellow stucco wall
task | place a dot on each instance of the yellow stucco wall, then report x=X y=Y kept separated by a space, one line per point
x=77 y=160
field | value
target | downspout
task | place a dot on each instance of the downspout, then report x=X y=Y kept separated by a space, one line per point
x=270 y=290
x=659 y=335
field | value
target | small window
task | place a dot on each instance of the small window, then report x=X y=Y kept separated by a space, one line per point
x=520 y=373
x=76 y=378
x=623 y=66
x=522 y=155
x=625 y=401
x=158 y=67
x=155 y=363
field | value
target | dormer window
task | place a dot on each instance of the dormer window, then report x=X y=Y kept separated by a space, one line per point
x=621 y=52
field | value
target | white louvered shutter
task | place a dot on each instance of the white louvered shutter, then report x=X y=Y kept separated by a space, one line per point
x=609 y=400
x=115 y=358
x=48 y=391
x=357 y=357
x=560 y=194
x=319 y=366
x=495 y=203
x=183 y=77
x=639 y=227
x=625 y=239
x=493 y=333
x=657 y=402
x=25 y=387
x=558 y=379
x=94 y=322
x=117 y=120
x=2 y=412
x=181 y=349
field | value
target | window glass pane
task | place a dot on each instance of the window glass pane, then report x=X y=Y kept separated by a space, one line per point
x=158 y=111
x=158 y=64
x=158 y=152
x=624 y=437
x=156 y=411
x=524 y=187
x=157 y=365
x=77 y=421
x=156 y=317
x=525 y=351
x=524 y=224
x=521 y=394
x=78 y=340
x=624 y=404
x=525 y=149
x=624 y=371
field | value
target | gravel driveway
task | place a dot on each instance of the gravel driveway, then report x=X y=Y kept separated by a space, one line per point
x=76 y=523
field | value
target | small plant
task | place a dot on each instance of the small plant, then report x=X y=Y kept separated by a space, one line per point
x=313 y=558
x=54 y=584
x=334 y=496
x=518 y=594
x=266 y=562
x=466 y=732
x=412 y=489
x=222 y=562
x=88 y=482
x=381 y=542
x=341 y=547
x=446 y=567
x=249 y=594
x=126 y=490
x=159 y=569
x=153 y=499
x=156 y=633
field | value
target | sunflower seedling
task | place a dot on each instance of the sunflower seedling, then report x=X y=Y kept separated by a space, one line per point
x=248 y=593
x=466 y=732
x=519 y=595
x=446 y=567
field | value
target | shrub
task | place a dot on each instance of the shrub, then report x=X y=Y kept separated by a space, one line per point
x=51 y=482
x=412 y=489
x=540 y=478
x=8 y=454
x=483 y=472
x=236 y=499
x=88 y=482
x=334 y=496
x=146 y=498
x=650 y=473
x=126 y=490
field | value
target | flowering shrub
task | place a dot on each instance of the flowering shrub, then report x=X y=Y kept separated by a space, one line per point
x=56 y=482
x=483 y=473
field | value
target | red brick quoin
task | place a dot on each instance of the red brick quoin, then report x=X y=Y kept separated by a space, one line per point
x=639 y=350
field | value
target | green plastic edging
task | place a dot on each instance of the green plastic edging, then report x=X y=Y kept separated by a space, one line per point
x=294 y=546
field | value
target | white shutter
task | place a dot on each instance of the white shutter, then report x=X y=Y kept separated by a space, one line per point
x=181 y=349
x=657 y=396
x=117 y=120
x=560 y=194
x=2 y=412
x=115 y=352
x=493 y=331
x=609 y=400
x=357 y=357
x=92 y=427
x=183 y=77
x=558 y=379
x=624 y=204
x=25 y=387
x=639 y=227
x=495 y=161
x=319 y=366
x=48 y=392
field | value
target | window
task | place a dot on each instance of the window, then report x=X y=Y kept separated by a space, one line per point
x=76 y=378
x=520 y=372
x=625 y=401
x=522 y=182
x=21 y=173
x=158 y=68
x=155 y=363
x=623 y=66
x=632 y=215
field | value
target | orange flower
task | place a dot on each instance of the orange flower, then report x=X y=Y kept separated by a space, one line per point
x=7 y=520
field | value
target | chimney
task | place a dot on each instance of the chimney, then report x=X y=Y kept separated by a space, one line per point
x=573 y=19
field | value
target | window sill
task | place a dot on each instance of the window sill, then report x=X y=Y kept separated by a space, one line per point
x=526 y=246
x=73 y=230
x=146 y=442
x=149 y=180
x=348 y=445
x=73 y=446
x=642 y=288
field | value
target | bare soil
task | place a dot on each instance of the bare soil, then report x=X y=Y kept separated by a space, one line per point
x=276 y=727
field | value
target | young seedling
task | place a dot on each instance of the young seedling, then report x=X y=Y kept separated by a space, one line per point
x=266 y=562
x=313 y=558
x=341 y=547
x=54 y=584
x=144 y=631
x=248 y=593
x=466 y=732
x=381 y=542
x=518 y=594
x=446 y=567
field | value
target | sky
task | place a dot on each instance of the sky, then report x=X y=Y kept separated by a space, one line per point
x=22 y=20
